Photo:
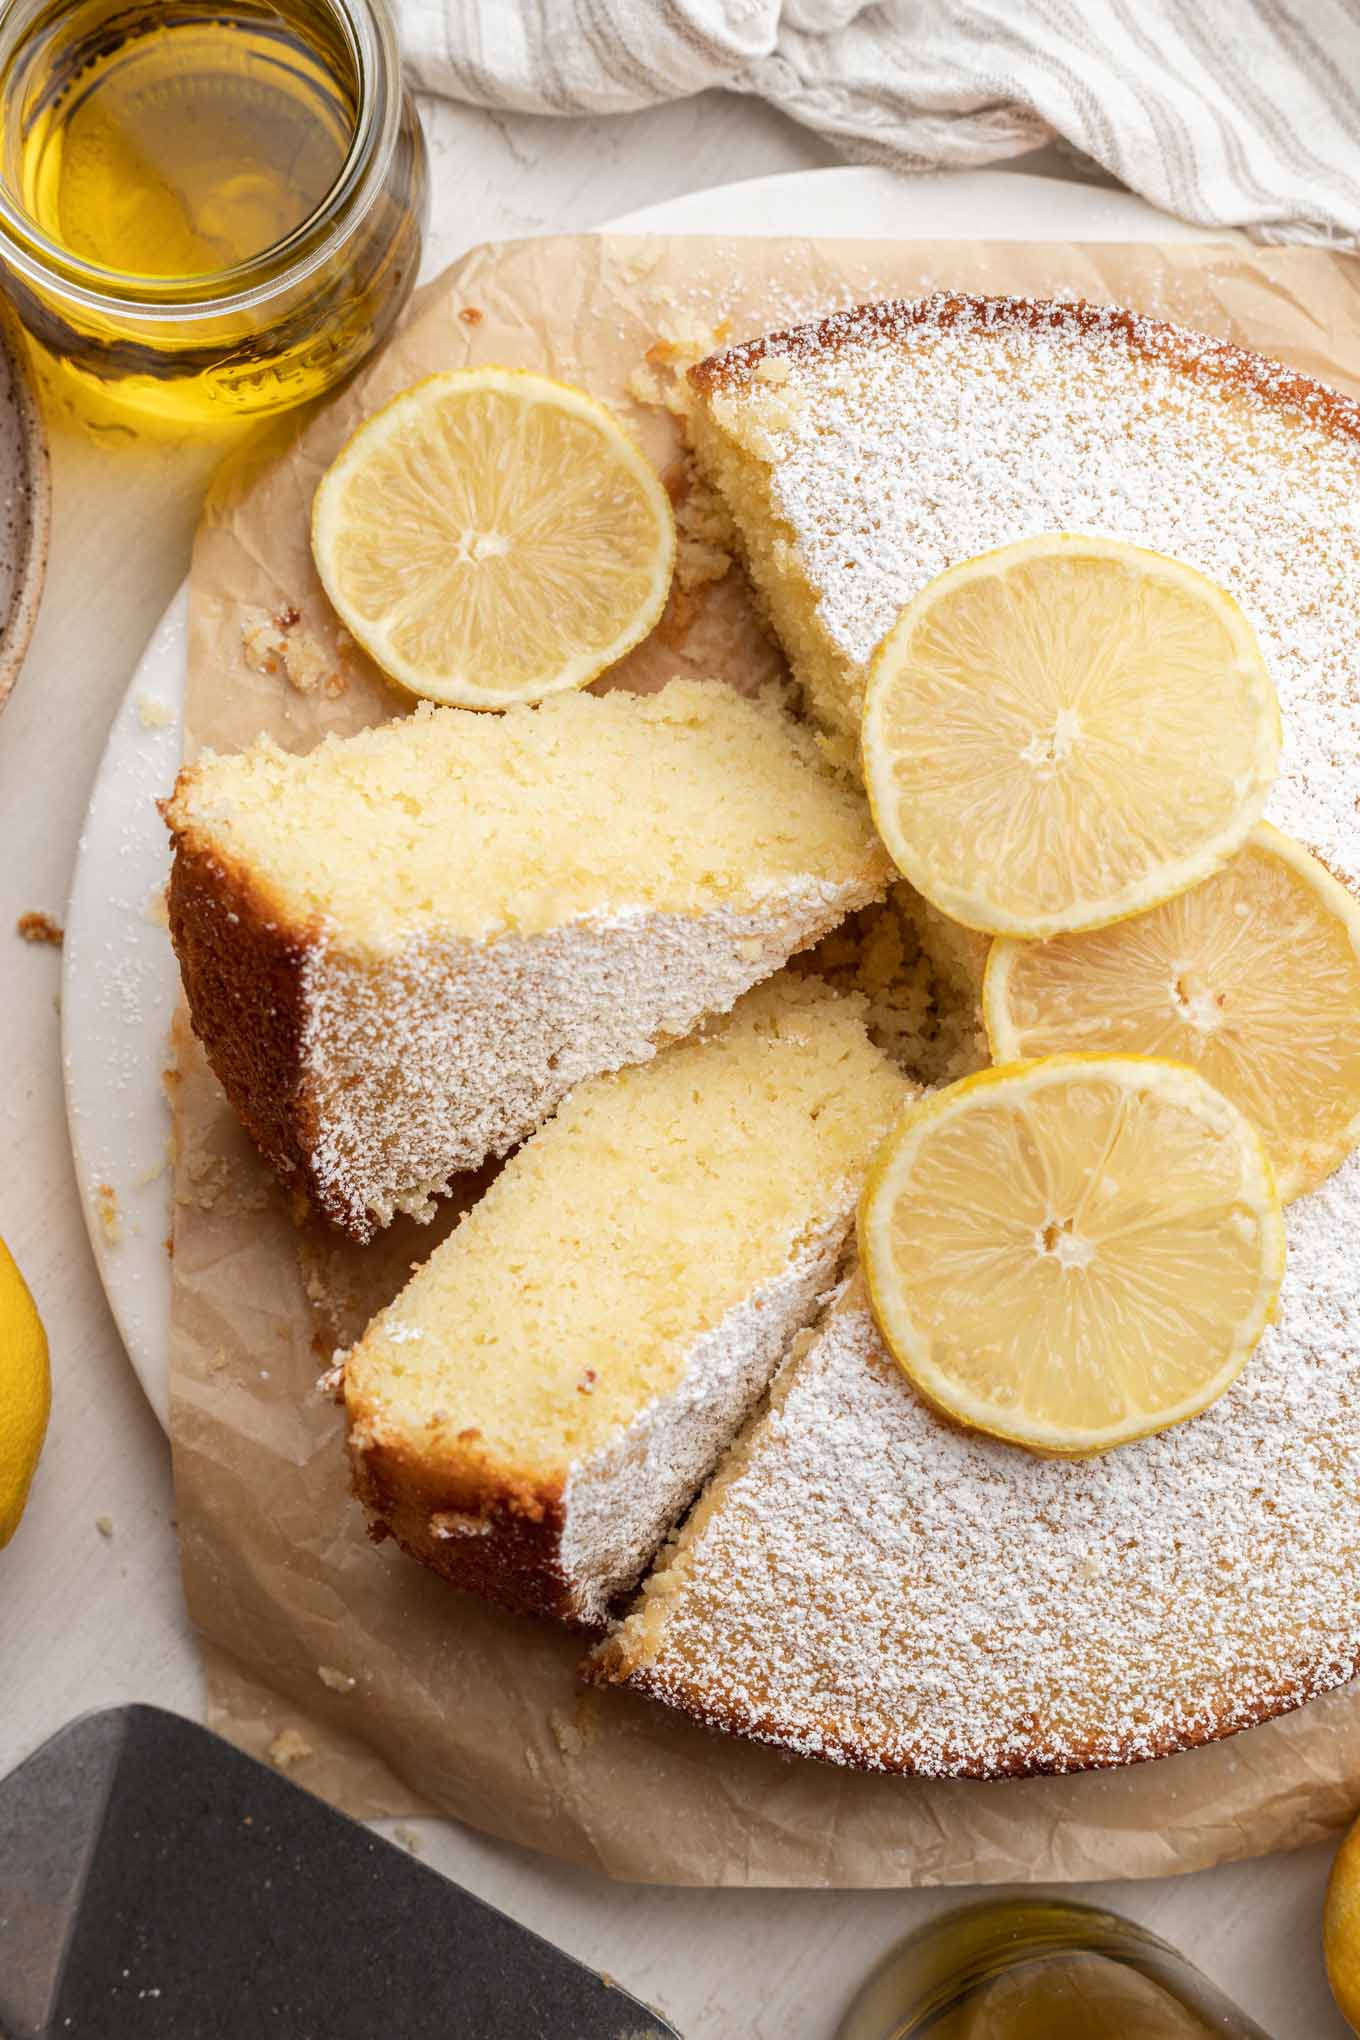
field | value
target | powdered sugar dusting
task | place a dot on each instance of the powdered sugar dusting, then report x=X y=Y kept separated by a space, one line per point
x=908 y=437
x=620 y=1504
x=869 y=1584
x=881 y=1589
x=451 y=1051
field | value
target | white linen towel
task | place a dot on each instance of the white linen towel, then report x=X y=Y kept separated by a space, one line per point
x=1228 y=112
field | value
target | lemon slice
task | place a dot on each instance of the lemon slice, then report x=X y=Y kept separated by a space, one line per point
x=1066 y=731
x=1073 y=1253
x=1253 y=977
x=494 y=537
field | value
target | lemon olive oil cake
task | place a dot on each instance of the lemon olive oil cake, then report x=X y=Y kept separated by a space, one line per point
x=870 y=1584
x=535 y=1410
x=403 y=948
x=863 y=1581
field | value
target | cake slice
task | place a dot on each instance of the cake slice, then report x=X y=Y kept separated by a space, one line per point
x=542 y=1401
x=402 y=949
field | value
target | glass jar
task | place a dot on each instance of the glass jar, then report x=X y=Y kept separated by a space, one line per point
x=1039 y=1969
x=93 y=209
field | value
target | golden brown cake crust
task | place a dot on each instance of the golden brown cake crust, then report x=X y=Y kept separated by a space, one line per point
x=246 y=1003
x=608 y=1666
x=1193 y=354
x=492 y=1536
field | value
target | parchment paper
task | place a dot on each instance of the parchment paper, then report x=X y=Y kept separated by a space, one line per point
x=406 y=1695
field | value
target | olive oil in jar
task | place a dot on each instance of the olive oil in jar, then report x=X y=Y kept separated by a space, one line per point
x=207 y=210
x=179 y=142
x=1040 y=1969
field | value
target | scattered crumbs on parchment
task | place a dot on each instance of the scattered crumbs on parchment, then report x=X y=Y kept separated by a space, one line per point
x=576 y=1728
x=705 y=541
x=217 y=1360
x=472 y=315
x=211 y=1180
x=104 y=1525
x=157 y=908
x=39 y=928
x=272 y=643
x=660 y=382
x=108 y=1214
x=262 y=641
x=410 y=1838
x=338 y=1681
x=154 y=714
x=330 y=1385
x=288 y=1748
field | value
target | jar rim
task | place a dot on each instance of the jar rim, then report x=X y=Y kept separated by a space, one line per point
x=284 y=264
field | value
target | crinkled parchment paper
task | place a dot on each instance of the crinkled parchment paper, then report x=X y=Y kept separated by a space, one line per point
x=408 y=1696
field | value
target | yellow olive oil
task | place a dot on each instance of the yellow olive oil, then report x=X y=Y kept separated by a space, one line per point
x=1040 y=1969
x=211 y=210
x=179 y=142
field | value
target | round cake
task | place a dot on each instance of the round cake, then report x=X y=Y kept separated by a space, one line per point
x=863 y=1582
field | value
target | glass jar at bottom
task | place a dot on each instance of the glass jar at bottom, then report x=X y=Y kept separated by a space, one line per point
x=1040 y=1969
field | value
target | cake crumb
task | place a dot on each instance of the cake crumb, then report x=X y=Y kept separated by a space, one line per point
x=262 y=642
x=104 y=1525
x=157 y=908
x=108 y=1214
x=338 y=1681
x=288 y=1748
x=448 y=1523
x=472 y=315
x=154 y=714
x=575 y=1732
x=306 y=666
x=410 y=1838
x=155 y=1170
x=39 y=928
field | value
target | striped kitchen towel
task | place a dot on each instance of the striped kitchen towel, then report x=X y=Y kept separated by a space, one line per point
x=1229 y=112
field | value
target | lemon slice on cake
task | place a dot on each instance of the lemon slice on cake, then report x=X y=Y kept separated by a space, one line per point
x=1071 y=1254
x=1066 y=731
x=1253 y=977
x=493 y=537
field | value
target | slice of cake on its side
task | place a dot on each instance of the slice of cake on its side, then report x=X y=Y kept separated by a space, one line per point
x=539 y=1405
x=401 y=950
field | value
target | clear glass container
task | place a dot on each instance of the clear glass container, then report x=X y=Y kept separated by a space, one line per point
x=1040 y=1969
x=149 y=145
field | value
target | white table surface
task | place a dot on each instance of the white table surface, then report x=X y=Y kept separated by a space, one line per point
x=87 y=1621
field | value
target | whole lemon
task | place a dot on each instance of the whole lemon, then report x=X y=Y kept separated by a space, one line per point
x=1341 y=1928
x=25 y=1392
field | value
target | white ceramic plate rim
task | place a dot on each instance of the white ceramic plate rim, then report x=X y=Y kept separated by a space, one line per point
x=118 y=975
